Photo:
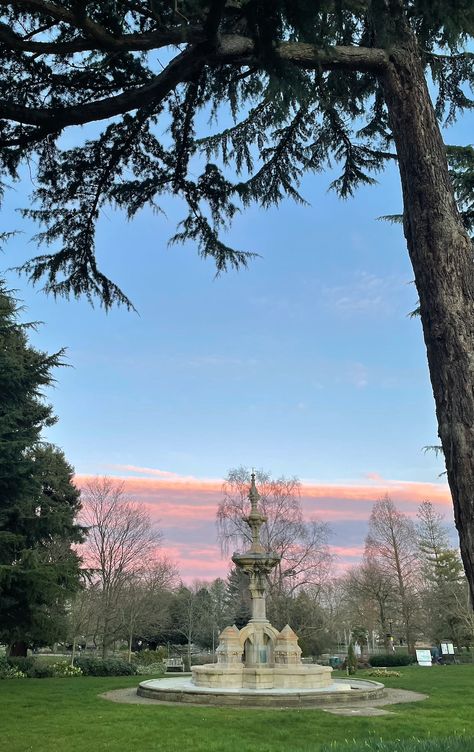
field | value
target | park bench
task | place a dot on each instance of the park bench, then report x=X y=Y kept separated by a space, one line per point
x=174 y=664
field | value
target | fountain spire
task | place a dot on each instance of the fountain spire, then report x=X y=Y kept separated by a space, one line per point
x=255 y=519
x=257 y=563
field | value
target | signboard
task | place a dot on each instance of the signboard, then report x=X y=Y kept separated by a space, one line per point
x=447 y=648
x=423 y=657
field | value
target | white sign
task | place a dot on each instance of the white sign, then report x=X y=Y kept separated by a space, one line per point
x=423 y=657
x=447 y=648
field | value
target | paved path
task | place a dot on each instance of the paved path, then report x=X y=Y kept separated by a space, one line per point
x=362 y=708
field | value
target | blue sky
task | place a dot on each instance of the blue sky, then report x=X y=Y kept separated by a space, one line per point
x=307 y=363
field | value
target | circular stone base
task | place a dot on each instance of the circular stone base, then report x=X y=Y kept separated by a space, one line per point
x=340 y=692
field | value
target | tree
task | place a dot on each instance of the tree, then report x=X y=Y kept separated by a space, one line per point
x=308 y=619
x=371 y=586
x=38 y=500
x=444 y=591
x=306 y=82
x=190 y=612
x=440 y=560
x=303 y=545
x=145 y=601
x=351 y=659
x=81 y=618
x=121 y=539
x=391 y=544
x=218 y=592
x=238 y=601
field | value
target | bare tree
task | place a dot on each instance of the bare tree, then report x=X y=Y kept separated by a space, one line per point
x=80 y=618
x=191 y=611
x=371 y=585
x=302 y=545
x=145 y=600
x=463 y=613
x=391 y=543
x=120 y=538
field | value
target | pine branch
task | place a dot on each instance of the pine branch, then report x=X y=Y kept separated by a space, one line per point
x=52 y=119
x=127 y=43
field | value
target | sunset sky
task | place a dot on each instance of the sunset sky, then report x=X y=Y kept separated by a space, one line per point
x=306 y=364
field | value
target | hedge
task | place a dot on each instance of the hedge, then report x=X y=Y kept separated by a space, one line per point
x=33 y=668
x=94 y=666
x=391 y=659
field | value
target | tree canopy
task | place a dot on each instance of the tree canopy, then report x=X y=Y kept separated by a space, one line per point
x=306 y=83
x=301 y=80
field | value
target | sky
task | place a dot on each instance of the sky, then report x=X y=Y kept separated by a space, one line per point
x=306 y=364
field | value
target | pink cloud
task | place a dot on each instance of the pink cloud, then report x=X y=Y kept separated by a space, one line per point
x=185 y=508
x=399 y=490
x=347 y=552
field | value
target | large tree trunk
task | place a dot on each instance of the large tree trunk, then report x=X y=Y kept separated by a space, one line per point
x=442 y=257
x=18 y=649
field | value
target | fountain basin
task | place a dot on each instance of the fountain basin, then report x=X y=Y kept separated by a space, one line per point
x=262 y=677
x=182 y=690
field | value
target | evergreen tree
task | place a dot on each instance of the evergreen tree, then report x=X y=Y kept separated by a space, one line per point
x=351 y=661
x=440 y=562
x=38 y=500
x=443 y=578
x=238 y=601
x=308 y=83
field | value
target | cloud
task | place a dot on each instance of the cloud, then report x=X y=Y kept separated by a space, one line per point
x=357 y=374
x=145 y=471
x=366 y=295
x=347 y=552
x=185 y=509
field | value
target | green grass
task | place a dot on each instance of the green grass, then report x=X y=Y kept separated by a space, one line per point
x=49 y=715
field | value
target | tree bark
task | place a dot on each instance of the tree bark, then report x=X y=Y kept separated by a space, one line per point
x=442 y=257
x=73 y=651
x=18 y=649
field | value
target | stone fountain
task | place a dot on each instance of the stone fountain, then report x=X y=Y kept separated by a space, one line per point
x=259 y=665
x=258 y=656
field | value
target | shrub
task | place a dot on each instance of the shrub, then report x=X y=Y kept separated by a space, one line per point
x=351 y=659
x=383 y=673
x=94 y=666
x=391 y=659
x=10 y=672
x=148 y=657
x=64 y=668
x=151 y=669
x=22 y=663
x=41 y=670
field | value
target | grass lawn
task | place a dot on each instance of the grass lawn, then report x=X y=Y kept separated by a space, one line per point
x=66 y=715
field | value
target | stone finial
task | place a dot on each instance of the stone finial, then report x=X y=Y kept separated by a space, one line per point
x=287 y=650
x=287 y=633
x=229 y=651
x=253 y=494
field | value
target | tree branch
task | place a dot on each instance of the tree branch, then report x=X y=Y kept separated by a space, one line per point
x=127 y=43
x=235 y=48
x=232 y=48
x=180 y=69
